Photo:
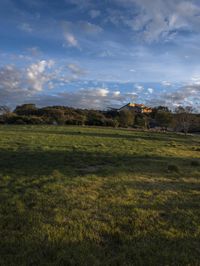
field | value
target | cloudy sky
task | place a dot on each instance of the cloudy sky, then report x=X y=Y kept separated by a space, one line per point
x=100 y=53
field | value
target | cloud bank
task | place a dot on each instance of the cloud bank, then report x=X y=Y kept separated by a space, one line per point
x=34 y=82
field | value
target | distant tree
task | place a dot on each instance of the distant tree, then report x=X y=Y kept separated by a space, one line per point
x=95 y=118
x=57 y=116
x=76 y=120
x=142 y=121
x=111 y=114
x=195 y=123
x=183 y=118
x=4 y=109
x=164 y=119
x=12 y=118
x=111 y=122
x=162 y=108
x=26 y=109
x=157 y=109
x=4 y=112
x=126 y=118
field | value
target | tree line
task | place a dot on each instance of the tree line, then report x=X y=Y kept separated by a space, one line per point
x=183 y=119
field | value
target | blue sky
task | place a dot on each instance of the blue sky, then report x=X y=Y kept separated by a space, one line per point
x=95 y=54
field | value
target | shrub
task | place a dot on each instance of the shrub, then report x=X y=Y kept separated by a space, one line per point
x=35 y=120
x=23 y=120
x=95 y=118
x=111 y=123
x=126 y=118
x=141 y=121
x=26 y=109
x=164 y=119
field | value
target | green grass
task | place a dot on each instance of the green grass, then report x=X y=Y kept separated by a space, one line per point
x=94 y=196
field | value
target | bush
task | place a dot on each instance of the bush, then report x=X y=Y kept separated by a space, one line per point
x=22 y=119
x=26 y=109
x=111 y=123
x=141 y=121
x=164 y=119
x=95 y=118
x=126 y=118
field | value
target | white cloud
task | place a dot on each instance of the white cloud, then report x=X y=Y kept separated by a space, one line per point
x=186 y=95
x=94 y=13
x=150 y=90
x=158 y=20
x=25 y=27
x=196 y=80
x=10 y=78
x=34 y=51
x=81 y=28
x=96 y=92
x=37 y=76
x=12 y=85
x=93 y=98
x=116 y=93
x=139 y=88
x=30 y=84
x=166 y=83
x=71 y=40
x=20 y=84
x=76 y=70
x=105 y=54
x=89 y=28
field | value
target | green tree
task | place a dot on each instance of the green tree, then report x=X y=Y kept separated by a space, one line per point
x=126 y=118
x=26 y=109
x=95 y=118
x=164 y=119
x=53 y=115
x=157 y=109
x=183 y=118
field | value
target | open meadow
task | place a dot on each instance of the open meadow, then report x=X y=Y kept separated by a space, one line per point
x=97 y=196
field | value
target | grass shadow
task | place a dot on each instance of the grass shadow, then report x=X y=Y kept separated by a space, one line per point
x=27 y=162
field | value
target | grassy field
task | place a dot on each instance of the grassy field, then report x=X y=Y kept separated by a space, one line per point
x=94 y=196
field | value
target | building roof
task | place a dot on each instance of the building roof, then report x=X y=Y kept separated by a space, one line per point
x=136 y=105
x=133 y=105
